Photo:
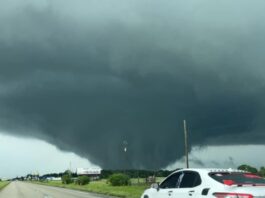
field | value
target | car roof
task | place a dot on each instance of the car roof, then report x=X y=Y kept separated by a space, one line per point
x=212 y=170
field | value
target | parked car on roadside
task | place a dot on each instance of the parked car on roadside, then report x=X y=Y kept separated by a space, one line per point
x=208 y=183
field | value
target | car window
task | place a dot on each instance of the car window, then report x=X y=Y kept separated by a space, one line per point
x=172 y=181
x=190 y=179
x=237 y=178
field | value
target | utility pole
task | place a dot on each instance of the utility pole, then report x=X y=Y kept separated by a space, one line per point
x=186 y=144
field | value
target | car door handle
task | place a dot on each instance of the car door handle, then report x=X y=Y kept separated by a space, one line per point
x=191 y=192
x=169 y=193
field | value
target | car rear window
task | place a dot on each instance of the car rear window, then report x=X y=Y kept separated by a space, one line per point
x=238 y=178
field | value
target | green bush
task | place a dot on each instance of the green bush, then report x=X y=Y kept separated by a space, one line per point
x=67 y=179
x=83 y=180
x=119 y=179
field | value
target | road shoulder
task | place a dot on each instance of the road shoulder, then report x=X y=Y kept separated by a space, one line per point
x=3 y=184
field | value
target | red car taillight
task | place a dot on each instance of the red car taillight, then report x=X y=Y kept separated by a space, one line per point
x=232 y=195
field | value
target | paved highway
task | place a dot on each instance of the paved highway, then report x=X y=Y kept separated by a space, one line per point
x=27 y=190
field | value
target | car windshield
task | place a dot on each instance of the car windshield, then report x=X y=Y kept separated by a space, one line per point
x=238 y=178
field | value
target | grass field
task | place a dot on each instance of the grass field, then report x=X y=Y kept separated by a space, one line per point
x=133 y=191
x=3 y=184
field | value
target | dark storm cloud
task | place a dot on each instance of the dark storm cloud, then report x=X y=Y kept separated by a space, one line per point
x=87 y=75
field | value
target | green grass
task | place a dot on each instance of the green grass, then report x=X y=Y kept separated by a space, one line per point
x=102 y=187
x=3 y=184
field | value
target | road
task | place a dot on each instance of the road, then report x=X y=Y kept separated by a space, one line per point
x=27 y=190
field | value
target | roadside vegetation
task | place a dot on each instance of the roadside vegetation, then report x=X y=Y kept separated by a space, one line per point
x=117 y=184
x=83 y=180
x=3 y=184
x=119 y=179
x=111 y=182
x=103 y=186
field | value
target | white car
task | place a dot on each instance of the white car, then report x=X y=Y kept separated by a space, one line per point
x=206 y=183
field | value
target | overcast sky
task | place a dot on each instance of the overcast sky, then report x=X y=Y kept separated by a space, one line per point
x=87 y=75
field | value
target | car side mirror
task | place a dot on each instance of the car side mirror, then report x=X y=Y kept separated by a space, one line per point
x=155 y=186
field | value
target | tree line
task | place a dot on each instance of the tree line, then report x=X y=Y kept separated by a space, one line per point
x=252 y=169
x=105 y=174
x=134 y=173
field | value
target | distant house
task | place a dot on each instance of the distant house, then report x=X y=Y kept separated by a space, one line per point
x=93 y=173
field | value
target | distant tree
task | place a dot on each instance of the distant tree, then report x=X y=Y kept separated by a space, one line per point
x=163 y=173
x=67 y=177
x=248 y=168
x=83 y=180
x=106 y=174
x=68 y=172
x=262 y=171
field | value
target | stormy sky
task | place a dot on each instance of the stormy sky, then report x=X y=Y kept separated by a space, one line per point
x=87 y=75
